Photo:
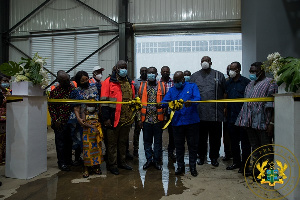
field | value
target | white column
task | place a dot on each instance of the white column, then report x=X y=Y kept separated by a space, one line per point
x=26 y=137
x=287 y=134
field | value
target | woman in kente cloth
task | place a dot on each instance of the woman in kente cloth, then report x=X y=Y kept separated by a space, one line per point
x=92 y=140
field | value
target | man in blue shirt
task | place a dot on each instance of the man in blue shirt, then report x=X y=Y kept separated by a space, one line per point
x=185 y=121
x=235 y=88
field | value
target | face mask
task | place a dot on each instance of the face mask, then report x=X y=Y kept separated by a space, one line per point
x=123 y=72
x=205 y=65
x=187 y=78
x=90 y=109
x=253 y=77
x=99 y=77
x=232 y=73
x=151 y=77
x=5 y=85
x=178 y=85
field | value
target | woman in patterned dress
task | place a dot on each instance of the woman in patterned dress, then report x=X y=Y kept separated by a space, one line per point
x=92 y=140
x=92 y=153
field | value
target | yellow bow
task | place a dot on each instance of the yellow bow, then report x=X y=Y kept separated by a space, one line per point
x=136 y=104
x=174 y=106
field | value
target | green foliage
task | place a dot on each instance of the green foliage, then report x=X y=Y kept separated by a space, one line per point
x=289 y=73
x=27 y=70
x=10 y=68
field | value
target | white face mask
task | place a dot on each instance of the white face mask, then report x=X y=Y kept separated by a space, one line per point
x=90 y=109
x=99 y=77
x=232 y=73
x=205 y=65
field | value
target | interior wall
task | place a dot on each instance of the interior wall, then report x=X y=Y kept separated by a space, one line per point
x=267 y=28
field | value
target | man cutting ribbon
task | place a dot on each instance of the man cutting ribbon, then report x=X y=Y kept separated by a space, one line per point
x=185 y=121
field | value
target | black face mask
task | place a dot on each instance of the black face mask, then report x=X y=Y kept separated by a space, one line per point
x=85 y=85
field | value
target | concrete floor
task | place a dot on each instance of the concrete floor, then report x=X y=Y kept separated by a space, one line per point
x=211 y=183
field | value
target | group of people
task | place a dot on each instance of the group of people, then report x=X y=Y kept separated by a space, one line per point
x=87 y=127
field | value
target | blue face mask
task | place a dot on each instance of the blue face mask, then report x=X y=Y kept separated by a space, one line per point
x=178 y=85
x=187 y=78
x=151 y=77
x=123 y=72
x=252 y=77
x=5 y=85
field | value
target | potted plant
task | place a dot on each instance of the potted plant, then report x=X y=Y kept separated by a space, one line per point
x=27 y=73
x=286 y=71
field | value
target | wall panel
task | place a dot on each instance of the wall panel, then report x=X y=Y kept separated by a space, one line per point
x=147 y=11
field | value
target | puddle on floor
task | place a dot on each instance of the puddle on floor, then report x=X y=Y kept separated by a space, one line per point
x=135 y=184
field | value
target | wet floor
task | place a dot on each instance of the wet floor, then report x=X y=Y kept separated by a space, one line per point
x=135 y=184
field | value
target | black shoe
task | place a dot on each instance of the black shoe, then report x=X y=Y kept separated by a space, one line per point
x=129 y=156
x=200 y=161
x=214 y=162
x=226 y=158
x=194 y=171
x=136 y=153
x=157 y=166
x=233 y=166
x=64 y=168
x=125 y=166
x=114 y=171
x=147 y=164
x=180 y=171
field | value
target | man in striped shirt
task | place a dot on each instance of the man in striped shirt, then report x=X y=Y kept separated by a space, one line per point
x=258 y=117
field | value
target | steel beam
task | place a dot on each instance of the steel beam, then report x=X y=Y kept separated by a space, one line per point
x=123 y=19
x=4 y=26
x=112 y=31
x=99 y=13
x=187 y=26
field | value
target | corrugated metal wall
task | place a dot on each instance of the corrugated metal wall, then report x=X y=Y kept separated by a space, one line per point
x=69 y=14
x=62 y=15
x=147 y=11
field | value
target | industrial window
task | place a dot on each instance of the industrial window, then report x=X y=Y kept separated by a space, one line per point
x=190 y=46
x=184 y=52
x=63 y=52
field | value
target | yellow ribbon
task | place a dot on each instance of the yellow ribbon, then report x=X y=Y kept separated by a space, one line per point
x=174 y=106
x=14 y=98
x=135 y=105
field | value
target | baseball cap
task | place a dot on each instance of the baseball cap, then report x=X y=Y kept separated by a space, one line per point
x=98 y=68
